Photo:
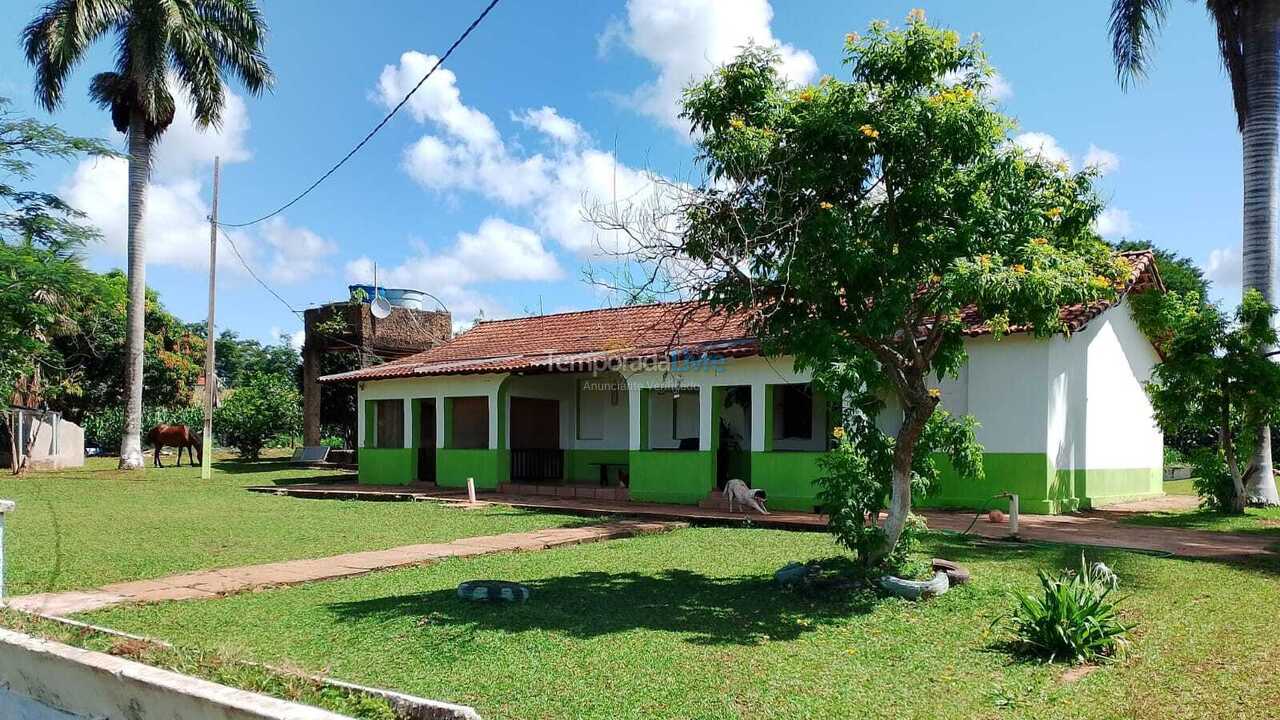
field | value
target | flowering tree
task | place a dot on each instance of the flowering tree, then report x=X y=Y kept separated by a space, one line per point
x=856 y=223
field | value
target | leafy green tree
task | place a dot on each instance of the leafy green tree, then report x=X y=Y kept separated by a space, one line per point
x=263 y=407
x=1250 y=49
x=853 y=224
x=239 y=358
x=41 y=236
x=194 y=42
x=1216 y=382
x=84 y=377
x=1180 y=275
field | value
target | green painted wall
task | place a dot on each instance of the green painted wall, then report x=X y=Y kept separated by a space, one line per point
x=789 y=478
x=454 y=466
x=1102 y=486
x=577 y=467
x=1026 y=474
x=672 y=476
x=387 y=466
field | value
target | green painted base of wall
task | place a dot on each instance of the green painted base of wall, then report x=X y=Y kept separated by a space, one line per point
x=1100 y=487
x=789 y=478
x=578 y=468
x=488 y=467
x=1026 y=474
x=1041 y=489
x=683 y=477
x=386 y=466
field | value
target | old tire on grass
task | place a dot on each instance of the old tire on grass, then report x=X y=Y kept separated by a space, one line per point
x=956 y=573
x=493 y=591
x=915 y=589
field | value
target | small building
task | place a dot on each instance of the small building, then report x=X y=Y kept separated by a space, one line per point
x=41 y=438
x=665 y=402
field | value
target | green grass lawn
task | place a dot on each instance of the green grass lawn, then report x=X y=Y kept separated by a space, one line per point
x=87 y=527
x=1264 y=521
x=688 y=624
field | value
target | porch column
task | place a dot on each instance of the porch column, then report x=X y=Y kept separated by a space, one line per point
x=638 y=414
x=410 y=429
x=762 y=398
x=444 y=422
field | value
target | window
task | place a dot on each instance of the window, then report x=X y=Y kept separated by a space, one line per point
x=797 y=412
x=470 y=430
x=389 y=423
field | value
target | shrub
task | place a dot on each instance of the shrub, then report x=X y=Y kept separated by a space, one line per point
x=1071 y=619
x=103 y=429
x=264 y=407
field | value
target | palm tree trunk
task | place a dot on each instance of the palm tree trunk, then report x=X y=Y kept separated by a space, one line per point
x=139 y=170
x=1259 y=137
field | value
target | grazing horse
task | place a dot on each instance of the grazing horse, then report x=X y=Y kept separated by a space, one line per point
x=179 y=436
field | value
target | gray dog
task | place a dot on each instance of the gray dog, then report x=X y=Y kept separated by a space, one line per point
x=737 y=492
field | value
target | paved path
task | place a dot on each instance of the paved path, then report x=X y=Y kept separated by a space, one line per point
x=1096 y=528
x=212 y=583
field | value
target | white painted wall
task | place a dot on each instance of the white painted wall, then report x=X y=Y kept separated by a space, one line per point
x=1121 y=432
x=607 y=393
x=685 y=411
x=816 y=442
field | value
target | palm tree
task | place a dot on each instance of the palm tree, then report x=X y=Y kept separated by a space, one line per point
x=196 y=42
x=1251 y=55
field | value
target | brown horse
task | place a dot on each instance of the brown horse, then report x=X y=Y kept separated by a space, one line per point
x=179 y=436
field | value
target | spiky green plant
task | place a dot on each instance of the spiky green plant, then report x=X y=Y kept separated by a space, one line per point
x=1072 y=619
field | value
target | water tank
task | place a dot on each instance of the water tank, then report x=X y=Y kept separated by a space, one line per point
x=398 y=297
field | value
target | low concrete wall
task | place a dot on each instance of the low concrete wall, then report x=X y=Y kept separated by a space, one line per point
x=44 y=680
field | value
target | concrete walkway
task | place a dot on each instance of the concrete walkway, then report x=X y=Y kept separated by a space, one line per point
x=1097 y=527
x=212 y=583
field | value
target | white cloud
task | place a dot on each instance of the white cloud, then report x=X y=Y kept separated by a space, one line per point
x=549 y=122
x=296 y=253
x=1043 y=146
x=437 y=100
x=176 y=225
x=1223 y=267
x=687 y=39
x=1113 y=223
x=1104 y=160
x=497 y=250
x=186 y=148
x=552 y=188
x=294 y=338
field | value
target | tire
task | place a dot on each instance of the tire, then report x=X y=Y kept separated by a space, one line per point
x=493 y=591
x=916 y=589
x=956 y=573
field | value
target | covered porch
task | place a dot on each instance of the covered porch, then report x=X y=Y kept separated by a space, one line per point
x=654 y=436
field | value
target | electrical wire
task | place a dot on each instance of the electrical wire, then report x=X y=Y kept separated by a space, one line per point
x=403 y=101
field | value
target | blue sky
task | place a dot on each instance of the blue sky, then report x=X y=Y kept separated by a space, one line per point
x=472 y=192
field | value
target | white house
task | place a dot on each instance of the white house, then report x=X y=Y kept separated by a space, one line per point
x=663 y=403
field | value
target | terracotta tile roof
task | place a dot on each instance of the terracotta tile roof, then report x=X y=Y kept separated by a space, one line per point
x=588 y=339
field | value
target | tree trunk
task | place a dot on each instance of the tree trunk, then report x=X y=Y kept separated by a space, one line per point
x=1259 y=138
x=139 y=170
x=904 y=450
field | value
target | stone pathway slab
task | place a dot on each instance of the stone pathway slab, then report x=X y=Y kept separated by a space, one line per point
x=213 y=583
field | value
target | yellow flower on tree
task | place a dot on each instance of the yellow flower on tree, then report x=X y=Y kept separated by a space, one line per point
x=935 y=393
x=1039 y=241
x=916 y=15
x=869 y=131
x=825 y=205
x=736 y=123
x=1020 y=269
x=837 y=433
x=851 y=38
x=1054 y=212
x=807 y=94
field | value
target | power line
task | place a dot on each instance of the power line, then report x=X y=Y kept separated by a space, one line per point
x=379 y=126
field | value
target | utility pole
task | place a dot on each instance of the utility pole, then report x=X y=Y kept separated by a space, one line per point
x=210 y=375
